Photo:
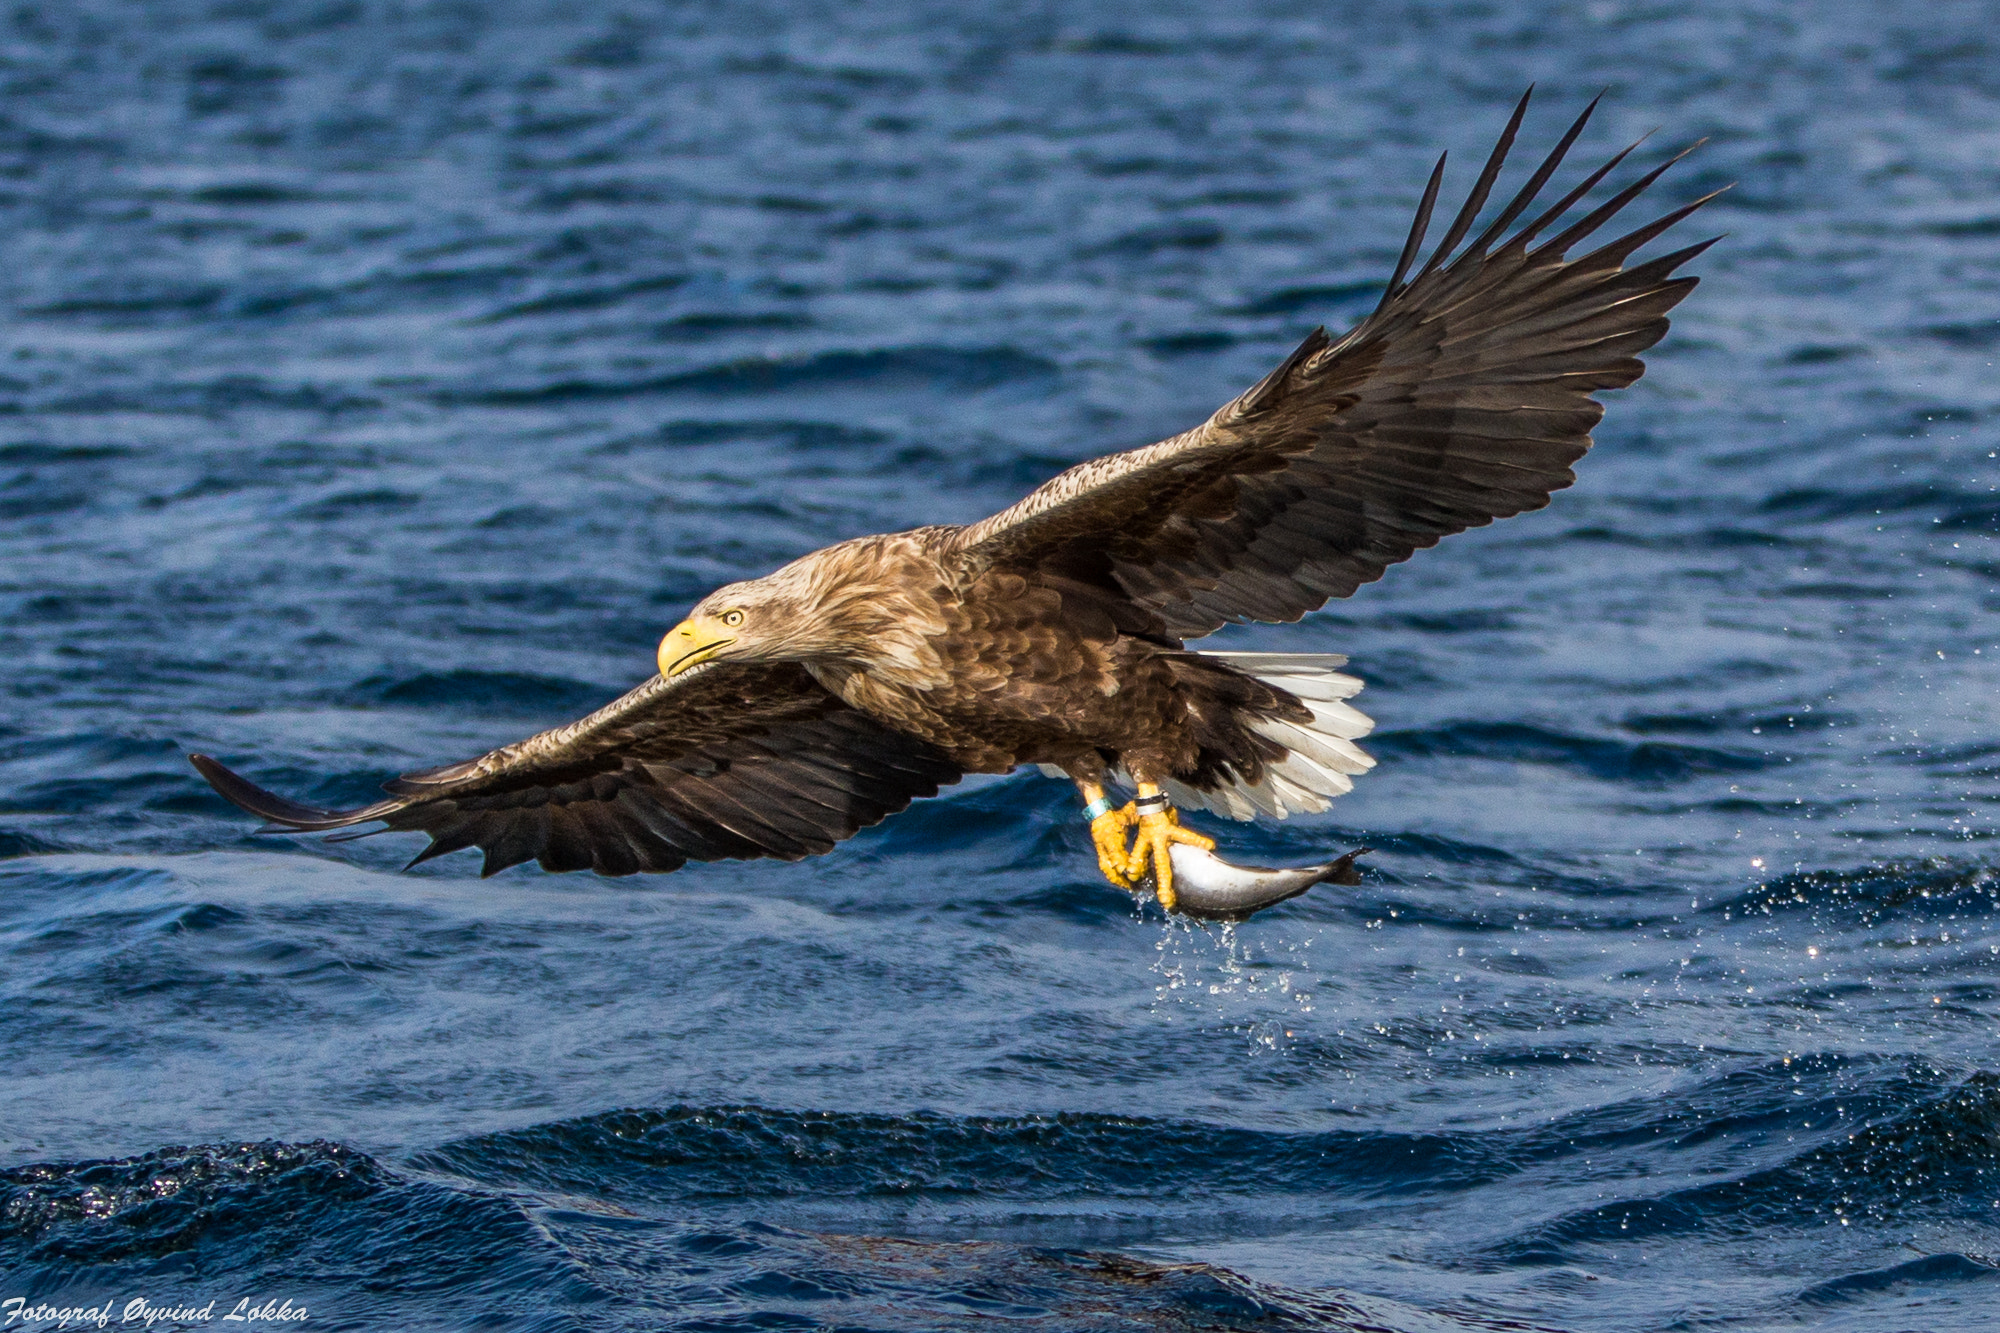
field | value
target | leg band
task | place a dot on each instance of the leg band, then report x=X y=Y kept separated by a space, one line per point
x=1151 y=805
x=1100 y=806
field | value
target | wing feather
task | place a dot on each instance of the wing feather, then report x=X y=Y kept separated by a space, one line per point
x=515 y=840
x=1464 y=397
x=736 y=760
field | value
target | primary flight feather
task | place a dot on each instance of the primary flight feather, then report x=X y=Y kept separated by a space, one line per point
x=792 y=710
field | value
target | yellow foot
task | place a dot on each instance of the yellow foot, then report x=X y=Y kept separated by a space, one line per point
x=1158 y=830
x=1107 y=831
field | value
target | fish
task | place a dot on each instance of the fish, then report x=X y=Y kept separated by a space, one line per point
x=1209 y=888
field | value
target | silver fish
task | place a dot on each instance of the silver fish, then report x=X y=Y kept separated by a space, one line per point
x=1208 y=888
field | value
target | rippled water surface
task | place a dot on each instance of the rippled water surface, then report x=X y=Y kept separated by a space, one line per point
x=380 y=379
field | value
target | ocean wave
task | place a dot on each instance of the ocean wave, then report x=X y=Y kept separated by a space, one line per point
x=356 y=1242
x=505 y=693
x=1648 y=762
x=1929 y=889
x=1931 y=1271
x=937 y=369
x=1933 y=1156
x=678 y=1154
x=802 y=436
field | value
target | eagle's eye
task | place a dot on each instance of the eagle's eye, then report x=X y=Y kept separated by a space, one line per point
x=732 y=618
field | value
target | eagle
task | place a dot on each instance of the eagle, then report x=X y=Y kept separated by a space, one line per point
x=793 y=710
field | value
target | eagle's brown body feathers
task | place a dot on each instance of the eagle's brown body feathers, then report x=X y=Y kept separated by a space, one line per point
x=821 y=698
x=1026 y=667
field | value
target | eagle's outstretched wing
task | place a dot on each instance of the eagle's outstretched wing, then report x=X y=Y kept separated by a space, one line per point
x=1463 y=398
x=726 y=761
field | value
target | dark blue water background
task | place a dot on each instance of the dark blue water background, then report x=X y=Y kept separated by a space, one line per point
x=380 y=379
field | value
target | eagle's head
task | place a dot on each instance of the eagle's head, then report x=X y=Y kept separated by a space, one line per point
x=845 y=604
x=749 y=621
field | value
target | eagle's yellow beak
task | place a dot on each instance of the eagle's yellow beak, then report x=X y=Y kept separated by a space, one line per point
x=692 y=642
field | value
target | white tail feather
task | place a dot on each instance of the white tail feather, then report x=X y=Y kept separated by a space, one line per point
x=1321 y=754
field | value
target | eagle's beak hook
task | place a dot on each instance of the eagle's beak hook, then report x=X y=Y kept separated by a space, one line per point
x=690 y=643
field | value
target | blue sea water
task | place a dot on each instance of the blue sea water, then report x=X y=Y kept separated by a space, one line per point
x=380 y=378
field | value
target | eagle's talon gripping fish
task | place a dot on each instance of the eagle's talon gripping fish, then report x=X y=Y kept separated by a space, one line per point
x=793 y=710
x=1209 y=888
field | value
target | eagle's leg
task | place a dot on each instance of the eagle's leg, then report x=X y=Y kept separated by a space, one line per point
x=1107 y=829
x=1159 y=829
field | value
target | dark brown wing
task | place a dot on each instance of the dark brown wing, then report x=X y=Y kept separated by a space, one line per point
x=1463 y=398
x=727 y=761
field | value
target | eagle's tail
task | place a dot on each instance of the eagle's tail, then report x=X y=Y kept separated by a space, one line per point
x=1321 y=756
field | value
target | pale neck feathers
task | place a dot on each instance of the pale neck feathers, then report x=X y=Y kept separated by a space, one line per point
x=873 y=604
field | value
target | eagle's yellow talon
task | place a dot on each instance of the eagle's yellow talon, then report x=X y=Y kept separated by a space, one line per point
x=1107 y=831
x=1158 y=831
